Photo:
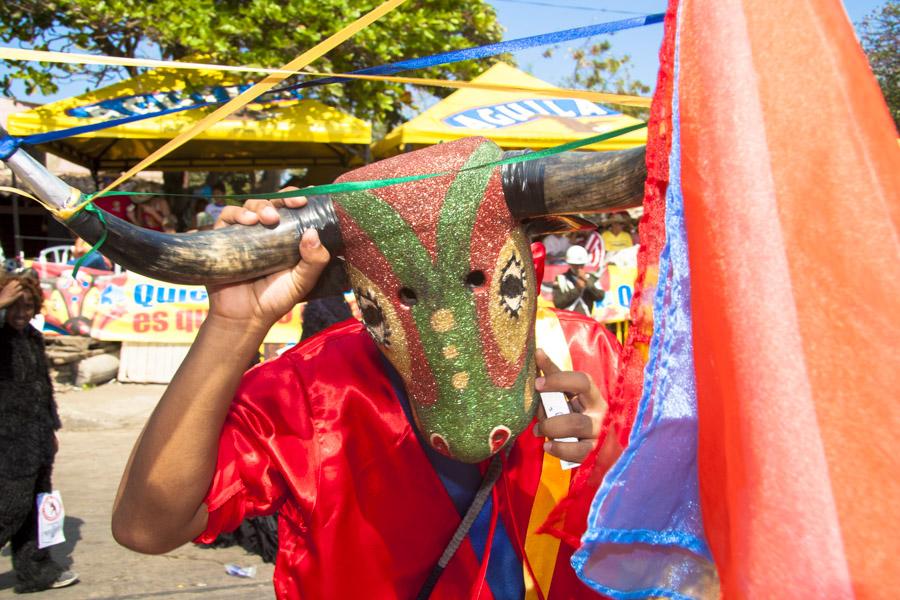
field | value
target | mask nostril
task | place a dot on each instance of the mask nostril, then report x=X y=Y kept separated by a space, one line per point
x=407 y=296
x=475 y=279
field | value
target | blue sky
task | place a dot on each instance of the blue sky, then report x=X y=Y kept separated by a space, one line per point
x=530 y=17
x=523 y=18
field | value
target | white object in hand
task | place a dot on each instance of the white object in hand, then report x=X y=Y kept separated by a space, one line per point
x=555 y=404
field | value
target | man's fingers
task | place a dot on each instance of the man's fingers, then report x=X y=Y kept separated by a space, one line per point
x=574 y=452
x=292 y=201
x=577 y=425
x=544 y=363
x=259 y=210
x=313 y=258
x=235 y=214
x=569 y=382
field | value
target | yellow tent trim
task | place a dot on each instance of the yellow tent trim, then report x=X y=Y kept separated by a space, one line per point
x=511 y=119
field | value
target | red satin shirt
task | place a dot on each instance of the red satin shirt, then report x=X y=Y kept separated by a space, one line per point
x=320 y=436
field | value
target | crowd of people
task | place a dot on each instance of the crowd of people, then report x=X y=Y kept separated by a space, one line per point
x=585 y=253
x=170 y=215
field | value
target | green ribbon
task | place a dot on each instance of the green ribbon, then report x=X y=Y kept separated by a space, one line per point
x=96 y=247
x=356 y=186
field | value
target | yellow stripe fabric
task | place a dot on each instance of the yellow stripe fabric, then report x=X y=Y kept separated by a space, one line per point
x=260 y=88
x=543 y=549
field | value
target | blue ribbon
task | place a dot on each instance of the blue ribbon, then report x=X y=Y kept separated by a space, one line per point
x=525 y=43
x=9 y=144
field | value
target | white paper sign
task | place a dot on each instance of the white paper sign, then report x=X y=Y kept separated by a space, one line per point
x=555 y=404
x=51 y=516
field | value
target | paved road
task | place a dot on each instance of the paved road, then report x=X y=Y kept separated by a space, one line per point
x=99 y=428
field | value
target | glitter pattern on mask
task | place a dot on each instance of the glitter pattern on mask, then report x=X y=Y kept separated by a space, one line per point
x=460 y=381
x=381 y=321
x=456 y=401
x=442 y=320
x=512 y=298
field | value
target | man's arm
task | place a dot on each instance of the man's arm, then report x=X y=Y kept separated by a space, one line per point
x=159 y=505
x=565 y=292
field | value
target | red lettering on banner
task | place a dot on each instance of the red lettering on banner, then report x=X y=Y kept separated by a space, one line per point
x=141 y=323
x=189 y=320
x=159 y=321
x=286 y=318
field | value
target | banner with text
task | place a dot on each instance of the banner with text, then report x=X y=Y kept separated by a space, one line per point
x=127 y=307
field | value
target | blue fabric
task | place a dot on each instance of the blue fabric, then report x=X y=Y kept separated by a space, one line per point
x=645 y=530
x=9 y=144
x=505 y=577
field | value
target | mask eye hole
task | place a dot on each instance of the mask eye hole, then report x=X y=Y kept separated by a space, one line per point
x=475 y=279
x=407 y=296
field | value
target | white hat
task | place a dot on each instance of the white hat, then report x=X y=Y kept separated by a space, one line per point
x=576 y=255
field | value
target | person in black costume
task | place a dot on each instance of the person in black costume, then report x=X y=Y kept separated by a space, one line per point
x=28 y=422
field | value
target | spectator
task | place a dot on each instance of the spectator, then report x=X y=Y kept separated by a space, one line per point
x=152 y=213
x=217 y=202
x=556 y=245
x=204 y=221
x=593 y=243
x=617 y=237
x=28 y=420
x=576 y=289
x=115 y=204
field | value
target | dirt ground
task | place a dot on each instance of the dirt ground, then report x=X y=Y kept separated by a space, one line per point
x=99 y=428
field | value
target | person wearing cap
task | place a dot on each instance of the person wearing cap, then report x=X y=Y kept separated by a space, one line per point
x=577 y=290
x=616 y=237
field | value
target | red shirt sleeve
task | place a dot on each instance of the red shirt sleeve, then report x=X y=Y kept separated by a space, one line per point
x=266 y=449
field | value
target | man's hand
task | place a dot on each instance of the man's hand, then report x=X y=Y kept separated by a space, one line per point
x=260 y=303
x=584 y=422
x=10 y=293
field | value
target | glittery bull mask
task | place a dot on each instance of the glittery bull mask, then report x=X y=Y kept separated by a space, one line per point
x=443 y=276
x=440 y=267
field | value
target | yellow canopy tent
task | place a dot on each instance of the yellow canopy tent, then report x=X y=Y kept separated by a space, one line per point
x=287 y=131
x=511 y=119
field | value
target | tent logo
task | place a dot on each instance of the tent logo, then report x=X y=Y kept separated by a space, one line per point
x=142 y=104
x=498 y=116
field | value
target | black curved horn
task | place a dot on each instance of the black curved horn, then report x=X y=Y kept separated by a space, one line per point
x=575 y=182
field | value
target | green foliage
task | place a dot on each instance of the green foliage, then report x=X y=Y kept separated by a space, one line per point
x=595 y=67
x=880 y=37
x=264 y=33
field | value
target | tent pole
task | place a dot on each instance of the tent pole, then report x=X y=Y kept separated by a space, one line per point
x=17 y=229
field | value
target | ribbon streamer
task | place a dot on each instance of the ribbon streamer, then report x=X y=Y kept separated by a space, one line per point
x=355 y=186
x=96 y=247
x=377 y=72
x=488 y=50
x=260 y=88
x=120 y=61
